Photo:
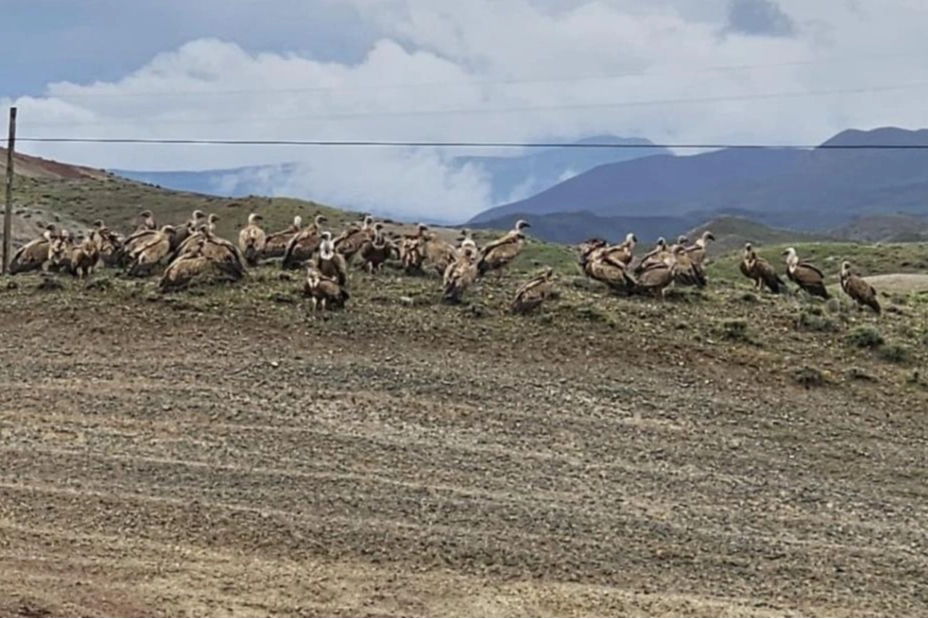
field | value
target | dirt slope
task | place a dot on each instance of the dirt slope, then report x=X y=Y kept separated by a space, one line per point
x=36 y=167
x=220 y=452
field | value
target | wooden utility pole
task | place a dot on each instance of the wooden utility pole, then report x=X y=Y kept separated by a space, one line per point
x=8 y=213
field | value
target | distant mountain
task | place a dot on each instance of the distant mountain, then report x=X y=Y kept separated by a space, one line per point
x=521 y=176
x=511 y=177
x=812 y=190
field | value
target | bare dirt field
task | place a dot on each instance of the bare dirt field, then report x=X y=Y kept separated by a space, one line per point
x=191 y=456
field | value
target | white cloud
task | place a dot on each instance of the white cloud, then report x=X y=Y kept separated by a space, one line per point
x=477 y=56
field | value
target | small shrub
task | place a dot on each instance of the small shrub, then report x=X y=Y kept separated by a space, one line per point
x=865 y=337
x=809 y=377
x=835 y=306
x=749 y=297
x=895 y=353
x=814 y=321
x=594 y=314
x=735 y=330
x=860 y=375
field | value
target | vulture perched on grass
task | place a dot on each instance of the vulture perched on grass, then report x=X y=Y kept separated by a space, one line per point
x=59 y=252
x=855 y=287
x=251 y=240
x=807 y=276
x=697 y=252
x=440 y=254
x=33 y=255
x=84 y=257
x=411 y=250
x=656 y=277
x=223 y=254
x=375 y=253
x=303 y=244
x=145 y=257
x=275 y=244
x=658 y=255
x=329 y=262
x=495 y=256
x=460 y=275
x=759 y=271
x=324 y=291
x=686 y=271
x=598 y=264
x=533 y=293
x=353 y=239
x=186 y=267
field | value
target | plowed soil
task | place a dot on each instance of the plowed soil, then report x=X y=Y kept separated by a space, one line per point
x=160 y=459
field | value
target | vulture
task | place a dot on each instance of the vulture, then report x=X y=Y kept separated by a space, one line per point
x=697 y=252
x=185 y=267
x=251 y=240
x=59 y=251
x=807 y=276
x=533 y=293
x=687 y=272
x=411 y=251
x=353 y=239
x=147 y=221
x=329 y=262
x=460 y=275
x=223 y=254
x=111 y=248
x=654 y=278
x=144 y=257
x=857 y=288
x=375 y=253
x=439 y=254
x=303 y=244
x=760 y=271
x=624 y=252
x=276 y=244
x=659 y=255
x=323 y=290
x=33 y=255
x=496 y=255
x=84 y=257
x=598 y=264
x=191 y=227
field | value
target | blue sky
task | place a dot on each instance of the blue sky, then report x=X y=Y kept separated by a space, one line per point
x=447 y=70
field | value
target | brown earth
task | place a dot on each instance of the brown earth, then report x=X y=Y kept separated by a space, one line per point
x=223 y=453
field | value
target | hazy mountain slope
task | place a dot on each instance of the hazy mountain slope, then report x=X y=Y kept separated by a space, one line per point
x=797 y=189
x=509 y=176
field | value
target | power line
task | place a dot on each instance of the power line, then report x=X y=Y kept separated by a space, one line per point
x=468 y=144
x=529 y=108
x=477 y=82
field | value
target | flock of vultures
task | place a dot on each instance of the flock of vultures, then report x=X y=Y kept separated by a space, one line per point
x=192 y=250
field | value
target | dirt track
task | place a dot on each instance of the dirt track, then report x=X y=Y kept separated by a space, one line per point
x=161 y=463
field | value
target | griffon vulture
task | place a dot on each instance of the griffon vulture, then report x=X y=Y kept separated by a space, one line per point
x=375 y=253
x=697 y=252
x=329 y=262
x=760 y=271
x=275 y=244
x=658 y=276
x=186 y=267
x=353 y=239
x=34 y=255
x=324 y=291
x=460 y=275
x=533 y=293
x=807 y=276
x=497 y=255
x=251 y=240
x=858 y=289
x=303 y=244
x=599 y=265
x=144 y=258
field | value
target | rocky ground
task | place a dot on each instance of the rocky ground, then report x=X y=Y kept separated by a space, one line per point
x=220 y=451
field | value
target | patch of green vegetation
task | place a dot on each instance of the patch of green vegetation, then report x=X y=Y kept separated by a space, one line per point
x=860 y=375
x=865 y=337
x=895 y=353
x=809 y=377
x=735 y=330
x=811 y=319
